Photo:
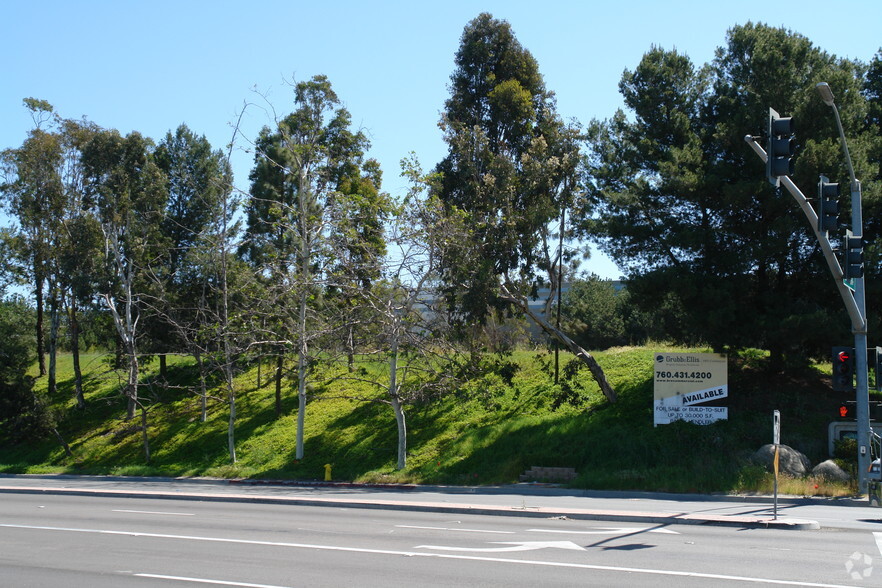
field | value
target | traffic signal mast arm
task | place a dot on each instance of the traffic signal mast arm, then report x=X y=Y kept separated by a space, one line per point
x=858 y=323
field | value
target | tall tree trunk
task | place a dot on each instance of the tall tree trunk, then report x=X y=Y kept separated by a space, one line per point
x=54 y=320
x=225 y=326
x=581 y=354
x=41 y=346
x=400 y=421
x=350 y=349
x=163 y=366
x=118 y=353
x=203 y=396
x=302 y=348
x=280 y=360
x=558 y=279
x=301 y=377
x=63 y=443
x=132 y=384
x=231 y=425
x=396 y=404
x=74 y=322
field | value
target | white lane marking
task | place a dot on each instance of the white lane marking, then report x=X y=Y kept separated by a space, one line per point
x=607 y=531
x=206 y=581
x=553 y=564
x=513 y=546
x=454 y=529
x=156 y=512
x=878 y=537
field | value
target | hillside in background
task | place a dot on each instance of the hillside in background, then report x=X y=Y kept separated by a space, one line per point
x=488 y=432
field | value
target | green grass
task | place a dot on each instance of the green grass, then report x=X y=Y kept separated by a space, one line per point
x=486 y=433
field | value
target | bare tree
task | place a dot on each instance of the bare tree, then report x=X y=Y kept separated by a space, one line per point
x=299 y=167
x=406 y=322
x=129 y=193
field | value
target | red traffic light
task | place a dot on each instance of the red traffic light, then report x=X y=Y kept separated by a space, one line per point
x=843 y=369
x=843 y=411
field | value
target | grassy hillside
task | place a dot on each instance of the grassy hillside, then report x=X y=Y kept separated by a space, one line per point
x=488 y=432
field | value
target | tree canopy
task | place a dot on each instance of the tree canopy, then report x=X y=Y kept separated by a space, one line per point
x=682 y=203
x=142 y=238
x=510 y=165
x=509 y=176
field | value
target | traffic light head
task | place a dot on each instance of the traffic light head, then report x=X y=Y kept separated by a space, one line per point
x=843 y=369
x=853 y=263
x=878 y=371
x=780 y=147
x=828 y=205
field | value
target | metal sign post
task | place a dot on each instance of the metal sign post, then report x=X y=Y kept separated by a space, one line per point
x=776 y=440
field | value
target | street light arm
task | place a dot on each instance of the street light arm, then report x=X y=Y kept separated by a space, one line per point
x=842 y=140
x=826 y=94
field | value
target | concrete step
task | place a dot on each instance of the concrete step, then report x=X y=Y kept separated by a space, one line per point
x=539 y=474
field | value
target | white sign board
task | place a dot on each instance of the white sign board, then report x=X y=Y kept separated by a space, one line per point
x=685 y=382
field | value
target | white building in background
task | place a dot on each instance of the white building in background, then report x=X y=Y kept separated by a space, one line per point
x=537 y=305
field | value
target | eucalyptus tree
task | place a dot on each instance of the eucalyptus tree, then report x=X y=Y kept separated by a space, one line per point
x=34 y=196
x=79 y=240
x=47 y=197
x=80 y=265
x=299 y=167
x=129 y=194
x=511 y=169
x=682 y=203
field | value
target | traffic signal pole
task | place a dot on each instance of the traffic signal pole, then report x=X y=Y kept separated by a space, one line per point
x=860 y=335
x=855 y=302
x=862 y=395
x=851 y=306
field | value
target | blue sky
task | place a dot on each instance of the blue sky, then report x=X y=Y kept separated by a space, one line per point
x=150 y=66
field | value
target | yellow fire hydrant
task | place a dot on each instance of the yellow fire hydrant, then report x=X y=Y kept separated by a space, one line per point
x=327 y=472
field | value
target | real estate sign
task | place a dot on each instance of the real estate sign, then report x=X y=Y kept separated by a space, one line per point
x=689 y=387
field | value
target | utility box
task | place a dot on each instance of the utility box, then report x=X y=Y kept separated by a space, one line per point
x=839 y=430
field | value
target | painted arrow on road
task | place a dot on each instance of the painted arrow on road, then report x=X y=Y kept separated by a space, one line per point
x=512 y=546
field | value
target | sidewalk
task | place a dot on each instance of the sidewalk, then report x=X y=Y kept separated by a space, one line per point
x=528 y=500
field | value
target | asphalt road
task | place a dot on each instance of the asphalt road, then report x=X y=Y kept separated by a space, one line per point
x=114 y=540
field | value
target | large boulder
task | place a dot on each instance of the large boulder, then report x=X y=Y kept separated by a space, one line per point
x=790 y=461
x=829 y=470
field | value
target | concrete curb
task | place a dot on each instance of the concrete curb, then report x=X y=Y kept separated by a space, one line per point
x=740 y=521
x=522 y=488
